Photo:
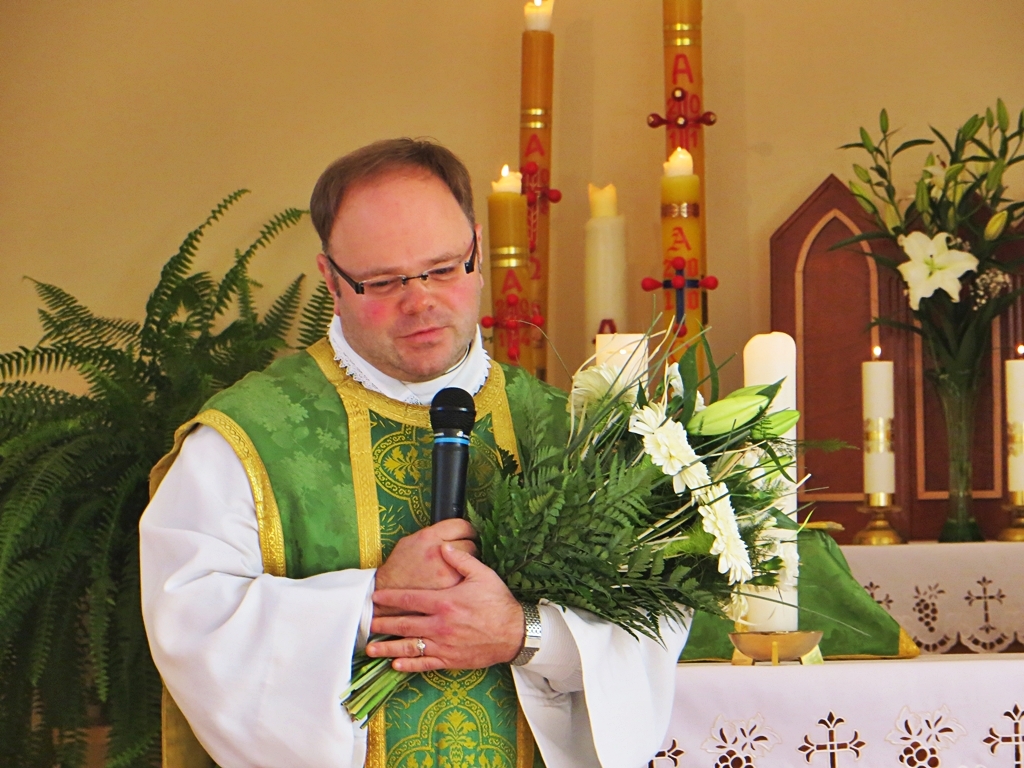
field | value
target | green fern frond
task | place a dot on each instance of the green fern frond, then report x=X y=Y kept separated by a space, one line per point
x=316 y=317
x=281 y=315
x=175 y=270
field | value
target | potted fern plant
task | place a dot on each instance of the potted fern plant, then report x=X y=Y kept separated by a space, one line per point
x=73 y=484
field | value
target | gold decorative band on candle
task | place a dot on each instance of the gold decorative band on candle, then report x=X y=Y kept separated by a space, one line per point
x=509 y=263
x=536 y=125
x=683 y=26
x=878 y=499
x=533 y=111
x=878 y=435
x=680 y=211
x=509 y=250
x=1017 y=498
x=1015 y=438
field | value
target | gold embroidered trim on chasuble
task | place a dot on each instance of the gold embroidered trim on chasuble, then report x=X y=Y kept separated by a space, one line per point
x=358 y=402
x=179 y=746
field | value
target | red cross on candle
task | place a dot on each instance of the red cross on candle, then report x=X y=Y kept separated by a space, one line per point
x=538 y=196
x=679 y=282
x=511 y=322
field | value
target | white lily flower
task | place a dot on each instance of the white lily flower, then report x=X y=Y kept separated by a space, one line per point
x=699 y=406
x=596 y=382
x=719 y=520
x=932 y=266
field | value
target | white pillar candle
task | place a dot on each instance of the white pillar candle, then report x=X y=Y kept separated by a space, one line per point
x=1015 y=424
x=604 y=263
x=626 y=352
x=768 y=358
x=538 y=15
x=879 y=459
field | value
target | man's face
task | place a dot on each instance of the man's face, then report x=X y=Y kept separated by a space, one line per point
x=404 y=223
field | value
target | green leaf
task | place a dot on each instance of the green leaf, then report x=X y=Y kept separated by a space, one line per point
x=911 y=143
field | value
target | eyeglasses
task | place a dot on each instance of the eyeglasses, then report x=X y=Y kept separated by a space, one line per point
x=389 y=285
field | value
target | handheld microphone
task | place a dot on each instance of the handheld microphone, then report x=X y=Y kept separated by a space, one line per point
x=452 y=414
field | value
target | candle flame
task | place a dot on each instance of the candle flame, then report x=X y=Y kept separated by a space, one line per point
x=876 y=352
x=538 y=3
x=504 y=170
x=1020 y=349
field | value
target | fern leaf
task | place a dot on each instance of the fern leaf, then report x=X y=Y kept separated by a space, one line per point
x=316 y=317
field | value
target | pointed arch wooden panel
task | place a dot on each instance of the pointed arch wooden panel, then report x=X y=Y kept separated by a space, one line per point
x=826 y=300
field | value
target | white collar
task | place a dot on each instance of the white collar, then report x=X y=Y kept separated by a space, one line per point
x=470 y=374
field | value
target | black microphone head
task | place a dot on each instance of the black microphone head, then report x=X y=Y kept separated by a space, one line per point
x=452 y=408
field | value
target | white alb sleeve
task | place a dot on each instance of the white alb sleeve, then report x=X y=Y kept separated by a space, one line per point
x=617 y=714
x=255 y=662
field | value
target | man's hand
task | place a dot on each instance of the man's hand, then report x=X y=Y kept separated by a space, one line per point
x=416 y=562
x=472 y=625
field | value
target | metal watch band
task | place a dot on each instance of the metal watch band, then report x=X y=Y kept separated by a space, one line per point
x=531 y=637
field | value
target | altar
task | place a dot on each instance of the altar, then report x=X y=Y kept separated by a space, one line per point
x=967 y=596
x=962 y=710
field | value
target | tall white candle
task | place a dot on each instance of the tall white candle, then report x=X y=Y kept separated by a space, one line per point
x=1015 y=424
x=879 y=459
x=605 y=262
x=538 y=15
x=768 y=358
x=626 y=352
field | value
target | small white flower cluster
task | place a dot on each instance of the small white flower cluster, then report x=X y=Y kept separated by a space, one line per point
x=666 y=442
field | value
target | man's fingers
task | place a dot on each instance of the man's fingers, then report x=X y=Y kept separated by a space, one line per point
x=464 y=563
x=454 y=528
x=404 y=626
x=465 y=545
x=418 y=664
x=408 y=647
x=409 y=600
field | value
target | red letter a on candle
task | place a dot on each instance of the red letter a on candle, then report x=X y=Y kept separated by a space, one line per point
x=681 y=66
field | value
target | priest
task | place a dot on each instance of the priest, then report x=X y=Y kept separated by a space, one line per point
x=290 y=523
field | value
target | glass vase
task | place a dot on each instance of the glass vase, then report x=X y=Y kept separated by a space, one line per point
x=959 y=401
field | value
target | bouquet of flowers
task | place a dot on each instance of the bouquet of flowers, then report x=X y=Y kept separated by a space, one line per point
x=657 y=505
x=954 y=232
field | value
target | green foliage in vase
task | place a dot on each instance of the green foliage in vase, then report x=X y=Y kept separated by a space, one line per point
x=74 y=482
x=954 y=232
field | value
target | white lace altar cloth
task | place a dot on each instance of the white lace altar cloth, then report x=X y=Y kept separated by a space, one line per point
x=960 y=711
x=941 y=593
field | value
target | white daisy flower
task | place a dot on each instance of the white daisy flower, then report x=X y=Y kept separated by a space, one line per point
x=647 y=420
x=720 y=521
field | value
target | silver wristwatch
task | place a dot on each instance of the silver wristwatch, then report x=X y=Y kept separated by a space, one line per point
x=531 y=636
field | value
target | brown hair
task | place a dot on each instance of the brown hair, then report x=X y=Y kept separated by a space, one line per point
x=376 y=160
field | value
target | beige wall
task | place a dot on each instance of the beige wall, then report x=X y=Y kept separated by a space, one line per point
x=122 y=123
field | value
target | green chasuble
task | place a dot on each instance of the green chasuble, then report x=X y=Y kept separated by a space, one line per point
x=339 y=474
x=853 y=625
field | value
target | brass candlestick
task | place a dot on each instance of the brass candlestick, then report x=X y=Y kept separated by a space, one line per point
x=878 y=530
x=1015 y=530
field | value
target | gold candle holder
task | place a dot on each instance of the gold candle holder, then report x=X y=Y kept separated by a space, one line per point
x=878 y=531
x=1015 y=530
